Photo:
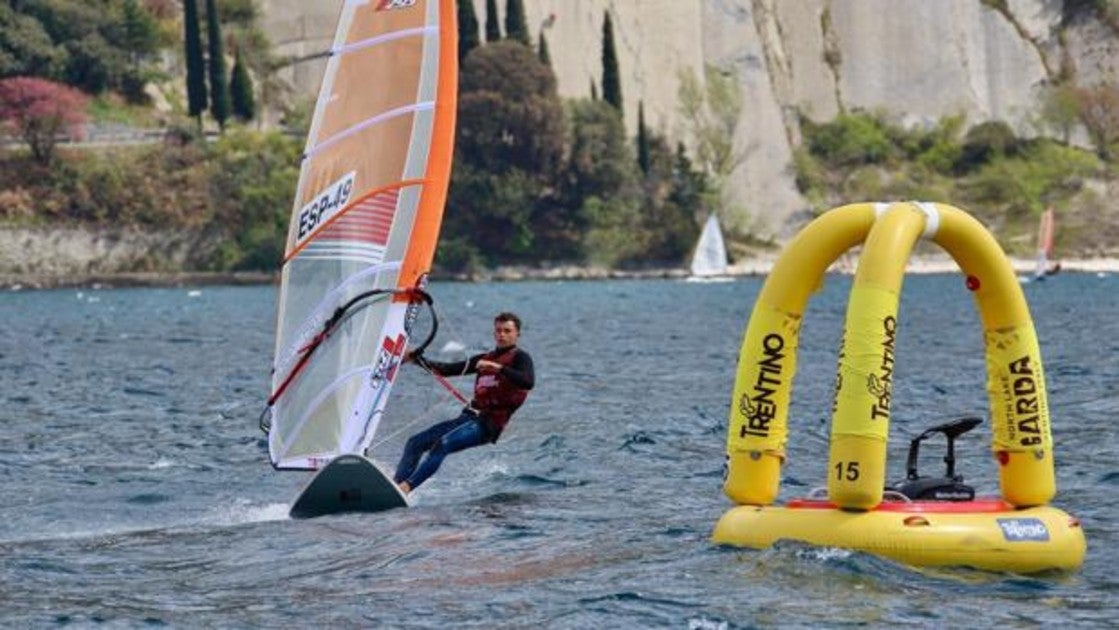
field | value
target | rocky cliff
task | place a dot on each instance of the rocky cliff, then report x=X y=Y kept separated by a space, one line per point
x=917 y=59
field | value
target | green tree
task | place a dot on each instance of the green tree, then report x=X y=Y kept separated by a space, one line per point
x=515 y=27
x=195 y=63
x=673 y=197
x=688 y=189
x=851 y=140
x=510 y=115
x=92 y=45
x=987 y=141
x=219 y=83
x=257 y=54
x=241 y=90
x=542 y=51
x=26 y=48
x=611 y=79
x=252 y=180
x=602 y=185
x=94 y=64
x=509 y=145
x=141 y=32
x=467 y=29
x=642 y=139
x=493 y=27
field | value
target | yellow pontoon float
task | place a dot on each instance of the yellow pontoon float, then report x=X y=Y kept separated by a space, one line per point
x=920 y=521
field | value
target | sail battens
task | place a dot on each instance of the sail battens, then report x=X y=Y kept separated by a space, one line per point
x=344 y=248
x=347 y=255
x=383 y=39
x=367 y=123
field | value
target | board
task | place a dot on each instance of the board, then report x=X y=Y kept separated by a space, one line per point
x=349 y=483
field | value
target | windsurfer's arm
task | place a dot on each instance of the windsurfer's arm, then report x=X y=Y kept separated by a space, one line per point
x=520 y=371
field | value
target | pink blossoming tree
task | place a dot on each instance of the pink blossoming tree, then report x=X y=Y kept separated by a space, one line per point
x=40 y=111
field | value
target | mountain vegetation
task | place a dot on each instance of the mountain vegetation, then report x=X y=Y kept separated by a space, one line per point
x=537 y=179
x=1005 y=180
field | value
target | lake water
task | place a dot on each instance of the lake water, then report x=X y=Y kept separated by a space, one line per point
x=136 y=489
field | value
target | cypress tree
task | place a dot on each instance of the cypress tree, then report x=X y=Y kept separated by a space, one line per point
x=241 y=90
x=594 y=91
x=195 y=64
x=542 y=51
x=493 y=29
x=611 y=82
x=141 y=33
x=467 y=29
x=642 y=139
x=515 y=27
x=219 y=84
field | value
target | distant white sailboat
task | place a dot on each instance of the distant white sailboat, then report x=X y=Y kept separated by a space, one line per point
x=710 y=258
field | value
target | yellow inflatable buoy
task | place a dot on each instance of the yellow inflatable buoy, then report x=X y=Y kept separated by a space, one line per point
x=1018 y=532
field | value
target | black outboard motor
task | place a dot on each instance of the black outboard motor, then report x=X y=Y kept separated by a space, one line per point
x=950 y=487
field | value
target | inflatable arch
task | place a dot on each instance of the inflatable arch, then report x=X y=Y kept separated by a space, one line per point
x=758 y=424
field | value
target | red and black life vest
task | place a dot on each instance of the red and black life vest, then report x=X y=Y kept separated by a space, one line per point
x=495 y=396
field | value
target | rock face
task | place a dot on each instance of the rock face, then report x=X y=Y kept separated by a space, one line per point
x=917 y=59
x=74 y=252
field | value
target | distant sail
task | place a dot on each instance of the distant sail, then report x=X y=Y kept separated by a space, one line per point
x=1045 y=232
x=710 y=257
x=364 y=225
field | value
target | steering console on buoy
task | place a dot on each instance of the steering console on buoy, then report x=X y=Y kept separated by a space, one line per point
x=950 y=487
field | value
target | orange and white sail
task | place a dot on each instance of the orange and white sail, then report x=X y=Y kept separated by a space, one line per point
x=364 y=225
x=1045 y=232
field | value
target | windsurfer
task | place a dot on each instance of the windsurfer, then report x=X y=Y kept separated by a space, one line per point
x=504 y=377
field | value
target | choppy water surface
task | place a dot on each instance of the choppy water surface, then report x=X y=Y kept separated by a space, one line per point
x=136 y=489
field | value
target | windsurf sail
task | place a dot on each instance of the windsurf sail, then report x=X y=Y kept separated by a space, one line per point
x=710 y=257
x=364 y=226
x=1045 y=231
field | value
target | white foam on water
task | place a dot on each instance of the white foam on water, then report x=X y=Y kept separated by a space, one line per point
x=825 y=553
x=245 y=512
x=703 y=623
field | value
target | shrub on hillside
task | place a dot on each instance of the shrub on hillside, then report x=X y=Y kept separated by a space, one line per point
x=1026 y=183
x=849 y=140
x=986 y=141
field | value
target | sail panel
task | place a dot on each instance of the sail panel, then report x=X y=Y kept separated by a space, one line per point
x=368 y=206
x=370 y=173
x=366 y=73
x=710 y=257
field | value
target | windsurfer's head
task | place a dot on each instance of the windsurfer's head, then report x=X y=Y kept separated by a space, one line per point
x=506 y=329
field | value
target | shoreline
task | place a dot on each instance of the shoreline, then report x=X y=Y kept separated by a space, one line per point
x=755 y=267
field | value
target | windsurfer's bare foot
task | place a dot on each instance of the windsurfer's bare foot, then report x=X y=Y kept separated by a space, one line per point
x=405 y=487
